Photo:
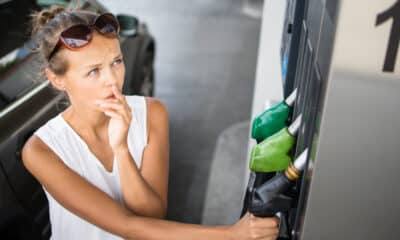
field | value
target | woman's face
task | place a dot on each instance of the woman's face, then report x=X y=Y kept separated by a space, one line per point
x=93 y=70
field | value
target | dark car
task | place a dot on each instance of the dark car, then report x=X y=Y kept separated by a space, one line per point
x=26 y=103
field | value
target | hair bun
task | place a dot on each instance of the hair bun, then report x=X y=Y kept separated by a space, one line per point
x=40 y=19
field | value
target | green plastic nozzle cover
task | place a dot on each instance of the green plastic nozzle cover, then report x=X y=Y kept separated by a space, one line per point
x=270 y=121
x=272 y=154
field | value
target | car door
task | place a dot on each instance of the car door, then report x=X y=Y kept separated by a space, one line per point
x=27 y=101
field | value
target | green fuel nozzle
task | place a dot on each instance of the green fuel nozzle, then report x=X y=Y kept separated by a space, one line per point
x=273 y=119
x=272 y=154
x=274 y=143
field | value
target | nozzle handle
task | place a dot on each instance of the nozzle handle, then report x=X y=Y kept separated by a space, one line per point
x=291 y=98
x=301 y=160
x=295 y=126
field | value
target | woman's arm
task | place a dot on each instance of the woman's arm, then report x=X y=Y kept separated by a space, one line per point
x=146 y=192
x=72 y=191
x=88 y=202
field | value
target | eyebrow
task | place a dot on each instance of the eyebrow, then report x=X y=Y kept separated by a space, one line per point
x=99 y=64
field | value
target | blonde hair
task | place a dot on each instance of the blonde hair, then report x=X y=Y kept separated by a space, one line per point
x=47 y=26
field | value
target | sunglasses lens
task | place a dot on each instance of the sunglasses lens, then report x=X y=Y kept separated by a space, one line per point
x=107 y=25
x=76 y=36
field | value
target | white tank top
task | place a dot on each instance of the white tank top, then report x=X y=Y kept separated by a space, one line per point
x=73 y=151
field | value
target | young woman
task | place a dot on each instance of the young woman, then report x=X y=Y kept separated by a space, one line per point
x=103 y=162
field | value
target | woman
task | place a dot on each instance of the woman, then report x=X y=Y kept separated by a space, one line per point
x=103 y=162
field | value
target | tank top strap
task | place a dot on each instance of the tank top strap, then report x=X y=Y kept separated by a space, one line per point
x=49 y=132
x=139 y=116
x=62 y=142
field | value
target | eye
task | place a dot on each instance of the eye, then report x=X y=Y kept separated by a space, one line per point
x=117 y=61
x=93 y=72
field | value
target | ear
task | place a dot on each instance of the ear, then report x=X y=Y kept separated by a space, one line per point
x=54 y=79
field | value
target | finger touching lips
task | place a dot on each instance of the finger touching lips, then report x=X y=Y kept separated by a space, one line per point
x=117 y=93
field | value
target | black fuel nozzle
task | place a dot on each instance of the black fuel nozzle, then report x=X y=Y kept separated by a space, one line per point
x=270 y=198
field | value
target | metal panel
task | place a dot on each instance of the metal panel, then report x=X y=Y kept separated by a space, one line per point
x=290 y=43
x=353 y=194
x=354 y=162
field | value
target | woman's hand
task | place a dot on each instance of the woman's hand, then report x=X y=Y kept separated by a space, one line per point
x=120 y=113
x=251 y=227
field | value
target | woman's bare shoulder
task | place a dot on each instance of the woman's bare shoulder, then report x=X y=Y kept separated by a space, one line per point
x=35 y=149
x=157 y=118
x=156 y=109
x=155 y=106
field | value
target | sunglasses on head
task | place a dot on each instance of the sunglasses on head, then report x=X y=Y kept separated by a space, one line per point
x=80 y=35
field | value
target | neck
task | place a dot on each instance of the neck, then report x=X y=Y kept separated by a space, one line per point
x=88 y=122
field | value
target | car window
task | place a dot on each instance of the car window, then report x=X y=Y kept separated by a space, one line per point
x=17 y=71
x=19 y=66
x=83 y=4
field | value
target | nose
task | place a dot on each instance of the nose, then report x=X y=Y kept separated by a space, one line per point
x=111 y=77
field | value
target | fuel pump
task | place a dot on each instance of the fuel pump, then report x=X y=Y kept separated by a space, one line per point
x=270 y=156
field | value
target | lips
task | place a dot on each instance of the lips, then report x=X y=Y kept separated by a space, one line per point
x=111 y=96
